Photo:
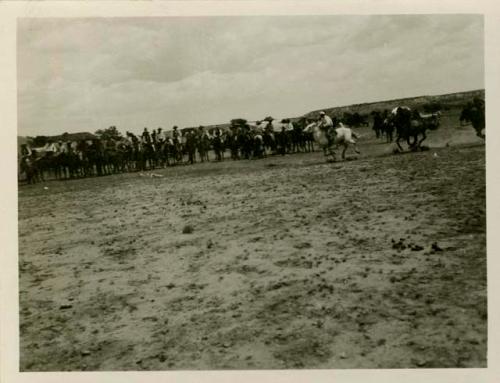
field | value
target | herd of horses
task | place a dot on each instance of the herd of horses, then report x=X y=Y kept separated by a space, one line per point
x=98 y=157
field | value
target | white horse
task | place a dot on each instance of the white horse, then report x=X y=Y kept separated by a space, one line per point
x=341 y=136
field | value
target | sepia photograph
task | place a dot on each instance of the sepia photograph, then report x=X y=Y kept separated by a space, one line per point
x=251 y=192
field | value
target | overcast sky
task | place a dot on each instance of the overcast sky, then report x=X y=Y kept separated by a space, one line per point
x=86 y=74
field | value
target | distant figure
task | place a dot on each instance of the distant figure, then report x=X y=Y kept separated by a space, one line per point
x=191 y=146
x=159 y=135
x=176 y=135
x=378 y=123
x=217 y=144
x=145 y=136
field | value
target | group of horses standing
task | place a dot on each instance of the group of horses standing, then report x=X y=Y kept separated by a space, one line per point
x=99 y=156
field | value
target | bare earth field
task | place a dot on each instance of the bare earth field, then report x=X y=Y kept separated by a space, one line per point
x=290 y=263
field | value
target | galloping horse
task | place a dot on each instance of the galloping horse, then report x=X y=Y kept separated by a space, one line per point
x=341 y=136
x=412 y=124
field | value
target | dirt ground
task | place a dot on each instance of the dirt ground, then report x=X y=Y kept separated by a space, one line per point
x=291 y=263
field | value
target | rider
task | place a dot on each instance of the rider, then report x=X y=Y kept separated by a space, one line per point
x=145 y=136
x=202 y=133
x=325 y=123
x=159 y=135
x=175 y=135
x=132 y=137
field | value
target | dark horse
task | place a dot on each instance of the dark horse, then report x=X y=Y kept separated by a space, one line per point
x=382 y=125
x=409 y=125
x=473 y=112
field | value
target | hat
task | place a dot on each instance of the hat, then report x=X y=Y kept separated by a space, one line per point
x=322 y=113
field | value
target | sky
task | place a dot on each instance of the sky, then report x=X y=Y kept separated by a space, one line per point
x=79 y=75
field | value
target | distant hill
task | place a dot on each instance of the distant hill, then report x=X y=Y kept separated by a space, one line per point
x=448 y=101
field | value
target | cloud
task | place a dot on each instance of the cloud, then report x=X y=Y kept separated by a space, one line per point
x=85 y=74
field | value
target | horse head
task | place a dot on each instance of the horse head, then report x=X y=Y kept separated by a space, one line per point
x=310 y=127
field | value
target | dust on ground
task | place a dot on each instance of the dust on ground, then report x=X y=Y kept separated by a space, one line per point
x=288 y=262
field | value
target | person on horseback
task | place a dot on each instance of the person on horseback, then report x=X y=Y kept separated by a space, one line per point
x=175 y=135
x=159 y=136
x=153 y=137
x=133 y=138
x=416 y=115
x=146 y=138
x=325 y=123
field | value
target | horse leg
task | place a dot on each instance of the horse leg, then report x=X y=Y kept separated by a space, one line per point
x=343 y=151
x=170 y=156
x=424 y=136
x=329 y=152
x=325 y=152
x=388 y=135
x=333 y=153
x=397 y=142
x=479 y=131
x=355 y=147
x=412 y=146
